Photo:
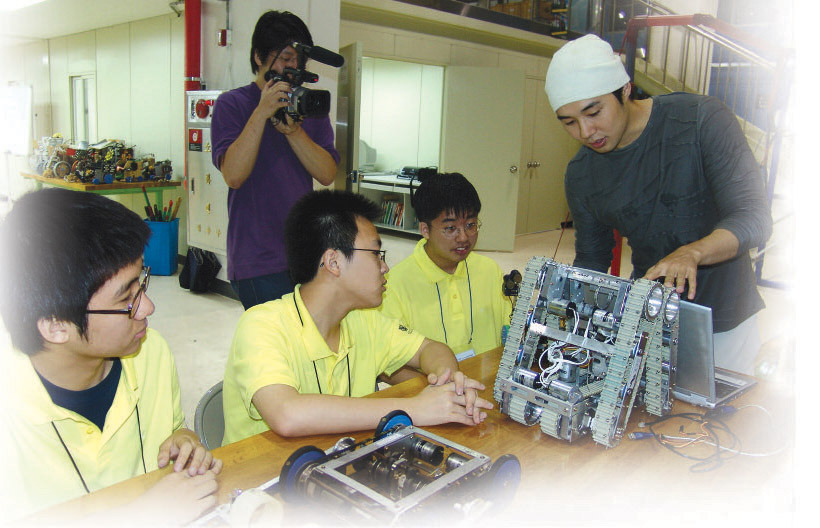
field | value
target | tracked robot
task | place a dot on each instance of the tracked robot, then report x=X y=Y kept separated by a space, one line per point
x=584 y=348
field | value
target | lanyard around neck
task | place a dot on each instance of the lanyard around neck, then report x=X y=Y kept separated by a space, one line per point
x=74 y=463
x=315 y=370
x=441 y=307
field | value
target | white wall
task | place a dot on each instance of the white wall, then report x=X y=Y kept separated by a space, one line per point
x=138 y=85
x=690 y=7
x=26 y=64
x=138 y=68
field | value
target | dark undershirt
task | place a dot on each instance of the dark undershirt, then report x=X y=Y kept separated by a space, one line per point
x=92 y=404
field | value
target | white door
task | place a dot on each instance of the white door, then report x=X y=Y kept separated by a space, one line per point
x=526 y=169
x=481 y=138
x=542 y=204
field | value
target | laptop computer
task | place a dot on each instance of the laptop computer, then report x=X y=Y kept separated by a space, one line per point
x=698 y=381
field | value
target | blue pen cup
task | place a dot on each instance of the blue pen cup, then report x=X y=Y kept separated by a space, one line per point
x=161 y=251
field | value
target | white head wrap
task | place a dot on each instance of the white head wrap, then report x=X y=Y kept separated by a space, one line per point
x=583 y=68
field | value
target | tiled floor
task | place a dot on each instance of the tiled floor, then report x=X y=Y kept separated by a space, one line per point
x=199 y=327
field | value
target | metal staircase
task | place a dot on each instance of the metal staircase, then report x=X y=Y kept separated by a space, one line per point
x=701 y=54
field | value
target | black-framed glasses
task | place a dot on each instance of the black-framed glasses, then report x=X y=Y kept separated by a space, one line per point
x=134 y=305
x=470 y=228
x=381 y=253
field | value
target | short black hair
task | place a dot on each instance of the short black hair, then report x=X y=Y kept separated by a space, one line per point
x=57 y=248
x=319 y=221
x=274 y=31
x=445 y=192
x=619 y=95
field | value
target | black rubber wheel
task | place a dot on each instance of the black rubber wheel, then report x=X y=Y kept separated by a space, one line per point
x=294 y=466
x=502 y=479
x=62 y=169
x=391 y=420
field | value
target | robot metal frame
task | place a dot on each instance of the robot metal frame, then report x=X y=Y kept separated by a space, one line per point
x=584 y=348
x=403 y=475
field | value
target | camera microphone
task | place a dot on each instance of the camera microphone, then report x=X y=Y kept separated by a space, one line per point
x=319 y=54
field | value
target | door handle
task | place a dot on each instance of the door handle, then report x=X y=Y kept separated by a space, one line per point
x=533 y=164
x=513 y=169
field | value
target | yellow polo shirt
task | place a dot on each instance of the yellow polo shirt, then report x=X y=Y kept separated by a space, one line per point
x=437 y=304
x=37 y=469
x=278 y=343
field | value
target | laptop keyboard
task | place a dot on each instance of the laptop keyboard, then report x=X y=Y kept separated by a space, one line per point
x=723 y=389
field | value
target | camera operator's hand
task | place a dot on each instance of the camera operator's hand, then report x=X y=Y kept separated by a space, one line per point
x=278 y=94
x=274 y=96
x=288 y=126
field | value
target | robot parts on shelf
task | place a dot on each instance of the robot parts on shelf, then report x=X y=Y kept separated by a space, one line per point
x=584 y=348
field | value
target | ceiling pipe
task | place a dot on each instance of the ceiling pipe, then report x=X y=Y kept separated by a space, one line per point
x=178 y=6
x=193 y=47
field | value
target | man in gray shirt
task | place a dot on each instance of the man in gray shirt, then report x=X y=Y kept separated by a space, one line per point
x=675 y=176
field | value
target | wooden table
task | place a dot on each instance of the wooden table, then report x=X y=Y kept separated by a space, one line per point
x=581 y=483
x=154 y=187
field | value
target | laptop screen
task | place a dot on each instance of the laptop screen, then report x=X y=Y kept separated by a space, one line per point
x=695 y=372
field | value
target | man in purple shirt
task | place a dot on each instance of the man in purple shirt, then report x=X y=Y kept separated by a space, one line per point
x=268 y=162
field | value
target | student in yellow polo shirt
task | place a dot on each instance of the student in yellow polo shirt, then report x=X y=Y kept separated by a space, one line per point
x=89 y=393
x=444 y=290
x=298 y=364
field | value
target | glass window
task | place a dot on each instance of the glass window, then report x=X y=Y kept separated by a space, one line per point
x=83 y=108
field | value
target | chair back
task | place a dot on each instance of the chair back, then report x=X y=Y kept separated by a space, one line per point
x=209 y=422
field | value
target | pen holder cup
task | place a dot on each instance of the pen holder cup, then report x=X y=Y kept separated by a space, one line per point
x=161 y=251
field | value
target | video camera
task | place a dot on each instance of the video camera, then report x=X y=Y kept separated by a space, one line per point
x=305 y=102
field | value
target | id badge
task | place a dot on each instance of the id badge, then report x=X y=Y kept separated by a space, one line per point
x=461 y=356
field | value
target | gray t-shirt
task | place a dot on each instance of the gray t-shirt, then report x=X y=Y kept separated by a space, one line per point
x=690 y=172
